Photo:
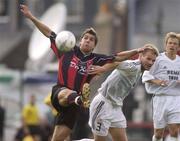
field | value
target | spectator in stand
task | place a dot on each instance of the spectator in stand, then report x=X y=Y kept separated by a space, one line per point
x=31 y=118
x=2 y=122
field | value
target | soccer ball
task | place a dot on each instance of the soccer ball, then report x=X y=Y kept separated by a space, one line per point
x=65 y=41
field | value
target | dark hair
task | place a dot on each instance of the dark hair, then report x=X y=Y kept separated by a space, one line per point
x=92 y=32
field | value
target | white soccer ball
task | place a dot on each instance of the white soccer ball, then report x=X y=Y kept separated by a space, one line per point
x=65 y=41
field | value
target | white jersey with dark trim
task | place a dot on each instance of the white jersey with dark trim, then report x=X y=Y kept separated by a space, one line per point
x=120 y=82
x=164 y=69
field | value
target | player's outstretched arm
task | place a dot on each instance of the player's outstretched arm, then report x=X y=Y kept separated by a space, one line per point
x=124 y=55
x=148 y=78
x=101 y=69
x=158 y=82
x=42 y=27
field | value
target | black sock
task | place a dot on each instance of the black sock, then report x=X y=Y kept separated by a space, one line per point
x=74 y=98
x=78 y=101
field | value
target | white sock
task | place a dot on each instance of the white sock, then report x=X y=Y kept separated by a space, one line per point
x=173 y=139
x=76 y=100
x=85 y=140
x=154 y=139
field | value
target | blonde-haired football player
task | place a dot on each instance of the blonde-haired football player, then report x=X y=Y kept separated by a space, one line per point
x=163 y=81
x=106 y=114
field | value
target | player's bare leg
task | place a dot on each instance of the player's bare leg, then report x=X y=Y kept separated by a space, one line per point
x=60 y=133
x=99 y=138
x=158 y=134
x=67 y=97
x=173 y=131
x=118 y=134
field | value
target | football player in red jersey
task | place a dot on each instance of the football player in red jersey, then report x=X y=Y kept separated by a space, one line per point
x=71 y=92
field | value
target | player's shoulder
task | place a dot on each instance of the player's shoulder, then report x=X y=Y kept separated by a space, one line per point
x=98 y=54
x=178 y=57
x=161 y=56
x=131 y=64
x=103 y=56
x=134 y=62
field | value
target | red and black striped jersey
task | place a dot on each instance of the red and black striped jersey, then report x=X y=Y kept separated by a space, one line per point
x=73 y=66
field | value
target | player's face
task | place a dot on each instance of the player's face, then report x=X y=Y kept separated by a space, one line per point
x=147 y=60
x=172 y=45
x=87 y=43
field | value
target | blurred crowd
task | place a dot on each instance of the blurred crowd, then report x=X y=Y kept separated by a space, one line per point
x=33 y=127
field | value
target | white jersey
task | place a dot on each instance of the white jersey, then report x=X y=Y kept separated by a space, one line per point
x=164 y=69
x=120 y=82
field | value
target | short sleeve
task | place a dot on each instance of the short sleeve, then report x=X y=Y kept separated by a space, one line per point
x=147 y=76
x=103 y=59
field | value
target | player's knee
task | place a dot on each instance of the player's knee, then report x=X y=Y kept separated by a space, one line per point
x=159 y=134
x=173 y=132
x=156 y=139
x=63 y=102
x=62 y=97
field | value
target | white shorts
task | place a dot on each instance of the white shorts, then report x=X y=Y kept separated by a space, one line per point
x=166 y=110
x=103 y=116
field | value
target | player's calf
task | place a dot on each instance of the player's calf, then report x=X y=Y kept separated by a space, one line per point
x=67 y=97
x=82 y=100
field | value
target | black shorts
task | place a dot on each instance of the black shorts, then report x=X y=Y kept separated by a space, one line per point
x=66 y=115
x=54 y=98
x=34 y=129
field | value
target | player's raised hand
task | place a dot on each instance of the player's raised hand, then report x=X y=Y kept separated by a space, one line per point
x=141 y=49
x=44 y=29
x=25 y=10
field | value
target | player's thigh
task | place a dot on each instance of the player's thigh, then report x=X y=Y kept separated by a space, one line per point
x=100 y=115
x=173 y=109
x=59 y=96
x=159 y=112
x=118 y=134
x=63 y=94
x=60 y=133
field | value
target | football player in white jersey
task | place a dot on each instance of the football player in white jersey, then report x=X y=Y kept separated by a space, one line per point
x=163 y=81
x=106 y=114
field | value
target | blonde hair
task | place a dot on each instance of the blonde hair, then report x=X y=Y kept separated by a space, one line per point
x=178 y=35
x=151 y=47
x=171 y=35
